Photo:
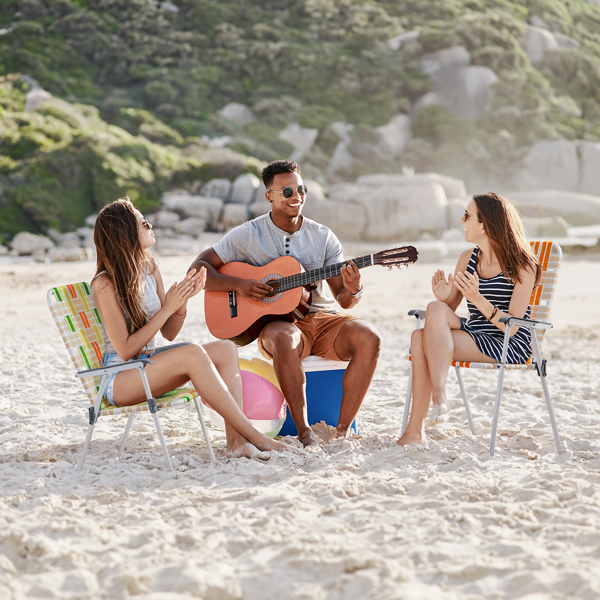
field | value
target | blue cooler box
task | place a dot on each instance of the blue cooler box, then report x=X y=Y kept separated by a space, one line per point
x=323 y=393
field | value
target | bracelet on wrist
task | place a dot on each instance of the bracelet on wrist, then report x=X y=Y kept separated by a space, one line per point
x=493 y=314
x=358 y=293
x=180 y=317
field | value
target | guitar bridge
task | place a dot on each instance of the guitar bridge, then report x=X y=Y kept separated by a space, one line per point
x=232 y=305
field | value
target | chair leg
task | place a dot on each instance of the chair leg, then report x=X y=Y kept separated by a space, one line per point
x=88 y=437
x=461 y=385
x=407 y=401
x=127 y=428
x=497 y=410
x=538 y=358
x=205 y=430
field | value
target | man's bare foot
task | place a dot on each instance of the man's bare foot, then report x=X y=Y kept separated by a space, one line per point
x=411 y=438
x=279 y=446
x=308 y=438
x=247 y=450
x=342 y=431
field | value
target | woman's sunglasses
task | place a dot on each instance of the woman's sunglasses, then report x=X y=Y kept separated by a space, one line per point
x=288 y=192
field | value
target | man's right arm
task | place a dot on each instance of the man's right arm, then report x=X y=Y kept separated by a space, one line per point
x=217 y=282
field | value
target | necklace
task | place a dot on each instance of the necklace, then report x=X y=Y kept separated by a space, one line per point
x=486 y=262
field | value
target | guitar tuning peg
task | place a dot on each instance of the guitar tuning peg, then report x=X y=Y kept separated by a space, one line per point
x=390 y=268
x=399 y=267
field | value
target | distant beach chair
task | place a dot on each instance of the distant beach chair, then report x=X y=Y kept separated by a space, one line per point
x=549 y=256
x=78 y=320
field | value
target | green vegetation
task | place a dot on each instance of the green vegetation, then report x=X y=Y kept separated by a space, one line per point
x=139 y=85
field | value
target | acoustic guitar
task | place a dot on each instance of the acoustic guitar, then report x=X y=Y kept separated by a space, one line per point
x=230 y=316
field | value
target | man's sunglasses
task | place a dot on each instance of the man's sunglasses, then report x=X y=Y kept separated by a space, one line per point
x=288 y=192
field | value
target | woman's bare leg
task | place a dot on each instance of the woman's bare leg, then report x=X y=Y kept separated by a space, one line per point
x=173 y=368
x=421 y=392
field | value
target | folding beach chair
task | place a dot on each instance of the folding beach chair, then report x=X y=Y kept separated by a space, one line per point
x=78 y=320
x=549 y=256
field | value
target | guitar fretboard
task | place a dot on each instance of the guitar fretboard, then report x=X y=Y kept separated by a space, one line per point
x=302 y=279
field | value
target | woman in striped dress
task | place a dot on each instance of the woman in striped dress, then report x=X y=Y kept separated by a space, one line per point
x=496 y=278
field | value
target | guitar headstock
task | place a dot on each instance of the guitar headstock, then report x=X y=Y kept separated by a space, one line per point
x=403 y=255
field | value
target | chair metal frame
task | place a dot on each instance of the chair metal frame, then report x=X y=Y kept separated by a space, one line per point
x=543 y=292
x=89 y=335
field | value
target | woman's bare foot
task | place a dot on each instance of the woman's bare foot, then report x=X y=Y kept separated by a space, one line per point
x=268 y=444
x=413 y=438
x=439 y=414
x=247 y=450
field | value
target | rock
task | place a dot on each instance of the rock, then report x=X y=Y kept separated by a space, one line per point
x=539 y=22
x=347 y=192
x=395 y=134
x=343 y=130
x=91 y=220
x=179 y=246
x=453 y=188
x=428 y=99
x=474 y=92
x=315 y=190
x=238 y=113
x=62 y=254
x=341 y=160
x=456 y=211
x=399 y=213
x=3 y=250
x=66 y=240
x=258 y=208
x=218 y=142
x=169 y=6
x=589 y=156
x=193 y=226
x=301 y=138
x=244 y=188
x=218 y=188
x=550 y=165
x=549 y=227
x=575 y=209
x=345 y=219
x=564 y=41
x=163 y=218
x=25 y=243
x=536 y=42
x=450 y=58
x=35 y=98
x=396 y=42
x=234 y=215
x=207 y=208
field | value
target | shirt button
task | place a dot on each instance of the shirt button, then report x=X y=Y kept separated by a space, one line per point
x=287 y=251
x=287 y=240
x=287 y=245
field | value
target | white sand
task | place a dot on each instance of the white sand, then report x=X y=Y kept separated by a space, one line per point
x=360 y=519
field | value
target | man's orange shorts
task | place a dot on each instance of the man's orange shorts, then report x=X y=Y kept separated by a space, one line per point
x=319 y=331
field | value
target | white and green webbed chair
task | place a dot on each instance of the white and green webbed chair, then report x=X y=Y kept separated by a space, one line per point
x=549 y=255
x=78 y=321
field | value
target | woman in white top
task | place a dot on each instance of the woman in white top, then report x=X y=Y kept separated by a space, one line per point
x=133 y=305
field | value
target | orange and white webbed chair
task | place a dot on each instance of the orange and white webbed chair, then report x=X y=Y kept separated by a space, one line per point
x=549 y=256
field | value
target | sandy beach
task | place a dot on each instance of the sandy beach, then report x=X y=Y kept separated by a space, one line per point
x=359 y=518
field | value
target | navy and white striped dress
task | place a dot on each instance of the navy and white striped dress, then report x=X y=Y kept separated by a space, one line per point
x=489 y=339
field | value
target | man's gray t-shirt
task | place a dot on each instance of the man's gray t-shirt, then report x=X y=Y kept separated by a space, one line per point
x=260 y=241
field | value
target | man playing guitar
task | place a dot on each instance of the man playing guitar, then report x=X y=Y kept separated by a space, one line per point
x=323 y=331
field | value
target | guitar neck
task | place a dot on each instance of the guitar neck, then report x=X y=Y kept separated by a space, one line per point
x=302 y=279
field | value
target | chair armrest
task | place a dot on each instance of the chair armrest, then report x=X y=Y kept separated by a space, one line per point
x=116 y=368
x=418 y=314
x=511 y=321
x=170 y=347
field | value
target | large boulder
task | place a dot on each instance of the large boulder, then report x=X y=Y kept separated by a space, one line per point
x=244 y=188
x=536 y=42
x=348 y=192
x=454 y=188
x=193 y=226
x=35 y=98
x=399 y=213
x=234 y=215
x=396 y=42
x=589 y=155
x=545 y=227
x=206 y=208
x=238 y=113
x=258 y=208
x=575 y=209
x=25 y=243
x=164 y=219
x=301 y=138
x=341 y=160
x=345 y=219
x=473 y=92
x=218 y=188
x=395 y=135
x=550 y=164
x=436 y=63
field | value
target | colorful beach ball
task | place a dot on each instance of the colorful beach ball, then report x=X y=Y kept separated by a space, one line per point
x=264 y=403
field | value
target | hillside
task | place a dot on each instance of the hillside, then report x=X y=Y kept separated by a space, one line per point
x=153 y=76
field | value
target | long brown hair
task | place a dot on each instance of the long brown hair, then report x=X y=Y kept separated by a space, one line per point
x=120 y=254
x=503 y=226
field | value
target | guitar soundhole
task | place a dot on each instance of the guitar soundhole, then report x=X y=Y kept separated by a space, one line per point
x=275 y=285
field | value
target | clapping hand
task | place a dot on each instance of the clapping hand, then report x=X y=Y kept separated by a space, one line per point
x=180 y=293
x=441 y=288
x=468 y=284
